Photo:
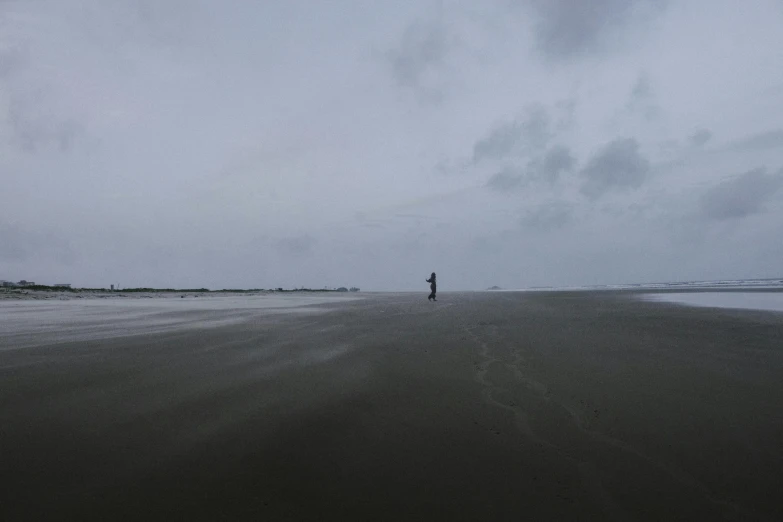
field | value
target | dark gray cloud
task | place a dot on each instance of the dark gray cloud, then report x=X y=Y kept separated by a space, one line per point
x=642 y=98
x=742 y=196
x=761 y=141
x=500 y=143
x=700 y=137
x=32 y=129
x=618 y=166
x=549 y=168
x=550 y=216
x=530 y=132
x=421 y=55
x=566 y=28
x=507 y=179
x=642 y=89
x=557 y=161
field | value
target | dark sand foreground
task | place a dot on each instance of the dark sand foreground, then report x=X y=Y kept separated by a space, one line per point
x=486 y=406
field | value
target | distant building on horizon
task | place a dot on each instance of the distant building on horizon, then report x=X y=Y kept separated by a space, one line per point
x=11 y=284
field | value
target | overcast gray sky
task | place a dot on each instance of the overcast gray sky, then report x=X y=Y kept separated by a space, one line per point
x=303 y=143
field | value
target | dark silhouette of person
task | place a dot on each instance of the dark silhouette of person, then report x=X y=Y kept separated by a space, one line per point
x=433 y=287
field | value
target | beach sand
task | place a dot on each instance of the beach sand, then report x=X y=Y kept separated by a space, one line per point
x=482 y=406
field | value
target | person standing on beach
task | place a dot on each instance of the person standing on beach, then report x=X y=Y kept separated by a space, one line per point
x=433 y=287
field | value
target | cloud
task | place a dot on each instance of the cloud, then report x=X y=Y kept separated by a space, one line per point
x=21 y=244
x=420 y=58
x=550 y=216
x=555 y=162
x=507 y=179
x=642 y=98
x=700 y=137
x=30 y=115
x=513 y=138
x=16 y=245
x=299 y=246
x=33 y=129
x=549 y=167
x=642 y=89
x=617 y=166
x=761 y=141
x=742 y=196
x=11 y=60
x=567 y=28
x=196 y=134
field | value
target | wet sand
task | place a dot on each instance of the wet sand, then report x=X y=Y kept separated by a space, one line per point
x=483 y=406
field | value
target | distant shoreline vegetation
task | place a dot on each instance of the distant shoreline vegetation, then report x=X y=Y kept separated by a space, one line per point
x=46 y=288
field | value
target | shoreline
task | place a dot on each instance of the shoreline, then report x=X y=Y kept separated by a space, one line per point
x=22 y=294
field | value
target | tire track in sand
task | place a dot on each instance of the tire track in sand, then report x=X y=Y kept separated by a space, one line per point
x=590 y=474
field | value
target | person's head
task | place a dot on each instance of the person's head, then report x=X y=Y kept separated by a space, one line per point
x=433 y=275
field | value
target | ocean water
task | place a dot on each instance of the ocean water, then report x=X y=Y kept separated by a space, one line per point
x=772 y=301
x=761 y=294
x=725 y=284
